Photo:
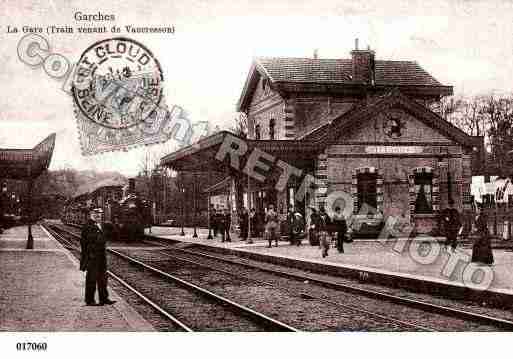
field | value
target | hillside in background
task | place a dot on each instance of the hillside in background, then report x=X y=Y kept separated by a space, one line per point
x=69 y=182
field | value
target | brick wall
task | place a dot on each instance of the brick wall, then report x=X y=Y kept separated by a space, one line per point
x=428 y=150
x=267 y=104
x=312 y=112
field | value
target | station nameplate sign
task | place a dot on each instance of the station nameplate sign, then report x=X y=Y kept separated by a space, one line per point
x=393 y=150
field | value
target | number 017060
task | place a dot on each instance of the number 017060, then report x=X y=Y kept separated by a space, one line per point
x=30 y=346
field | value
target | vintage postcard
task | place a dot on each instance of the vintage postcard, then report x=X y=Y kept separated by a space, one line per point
x=341 y=170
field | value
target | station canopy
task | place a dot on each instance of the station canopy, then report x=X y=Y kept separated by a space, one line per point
x=27 y=164
x=201 y=156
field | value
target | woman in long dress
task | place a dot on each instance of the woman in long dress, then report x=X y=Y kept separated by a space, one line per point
x=482 y=249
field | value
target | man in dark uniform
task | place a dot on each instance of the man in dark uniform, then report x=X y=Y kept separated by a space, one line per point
x=226 y=220
x=314 y=224
x=451 y=224
x=243 y=220
x=295 y=223
x=93 y=259
x=253 y=222
x=324 y=230
x=290 y=225
x=339 y=225
x=214 y=221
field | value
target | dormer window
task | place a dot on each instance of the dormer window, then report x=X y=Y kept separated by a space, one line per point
x=272 y=124
x=257 y=132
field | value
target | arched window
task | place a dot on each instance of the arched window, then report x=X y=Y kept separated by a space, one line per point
x=367 y=189
x=423 y=193
x=257 y=132
x=272 y=124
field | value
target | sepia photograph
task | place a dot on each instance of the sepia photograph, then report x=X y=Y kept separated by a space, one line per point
x=287 y=178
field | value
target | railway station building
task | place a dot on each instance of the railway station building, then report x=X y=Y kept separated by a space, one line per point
x=360 y=125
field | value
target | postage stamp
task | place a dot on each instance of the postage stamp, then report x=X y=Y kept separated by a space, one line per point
x=118 y=96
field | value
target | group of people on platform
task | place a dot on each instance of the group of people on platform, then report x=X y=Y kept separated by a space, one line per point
x=220 y=222
x=453 y=226
x=323 y=228
x=267 y=224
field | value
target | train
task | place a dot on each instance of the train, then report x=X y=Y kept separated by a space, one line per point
x=125 y=212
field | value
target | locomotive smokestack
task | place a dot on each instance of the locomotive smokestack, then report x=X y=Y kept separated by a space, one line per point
x=131 y=185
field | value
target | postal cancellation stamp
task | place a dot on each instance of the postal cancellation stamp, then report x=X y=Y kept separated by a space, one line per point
x=117 y=94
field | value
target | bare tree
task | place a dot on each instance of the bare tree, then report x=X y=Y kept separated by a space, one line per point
x=240 y=128
x=447 y=107
x=499 y=117
x=473 y=120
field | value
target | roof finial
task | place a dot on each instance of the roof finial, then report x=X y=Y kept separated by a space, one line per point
x=356 y=44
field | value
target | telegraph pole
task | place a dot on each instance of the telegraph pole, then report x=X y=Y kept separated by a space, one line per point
x=194 y=189
x=208 y=206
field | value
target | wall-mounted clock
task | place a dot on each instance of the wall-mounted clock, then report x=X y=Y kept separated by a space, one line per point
x=394 y=124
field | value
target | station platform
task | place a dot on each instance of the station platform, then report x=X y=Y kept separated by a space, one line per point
x=420 y=263
x=42 y=290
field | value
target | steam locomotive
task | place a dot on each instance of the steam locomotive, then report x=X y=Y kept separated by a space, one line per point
x=125 y=212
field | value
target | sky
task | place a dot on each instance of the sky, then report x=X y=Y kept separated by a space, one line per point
x=466 y=44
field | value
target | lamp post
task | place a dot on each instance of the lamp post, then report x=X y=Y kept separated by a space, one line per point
x=208 y=209
x=30 y=238
x=182 y=189
x=250 y=240
x=194 y=194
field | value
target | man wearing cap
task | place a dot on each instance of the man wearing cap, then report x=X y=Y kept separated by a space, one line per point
x=314 y=224
x=451 y=224
x=93 y=259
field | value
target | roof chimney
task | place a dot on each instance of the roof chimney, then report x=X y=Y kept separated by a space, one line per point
x=363 y=65
x=316 y=54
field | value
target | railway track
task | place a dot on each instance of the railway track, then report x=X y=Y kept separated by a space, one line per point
x=399 y=312
x=175 y=298
x=470 y=318
x=300 y=311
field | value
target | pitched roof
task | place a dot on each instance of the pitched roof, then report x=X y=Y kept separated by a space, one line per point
x=297 y=74
x=294 y=69
x=377 y=104
x=305 y=70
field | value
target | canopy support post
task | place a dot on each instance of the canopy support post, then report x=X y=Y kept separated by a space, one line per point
x=30 y=238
